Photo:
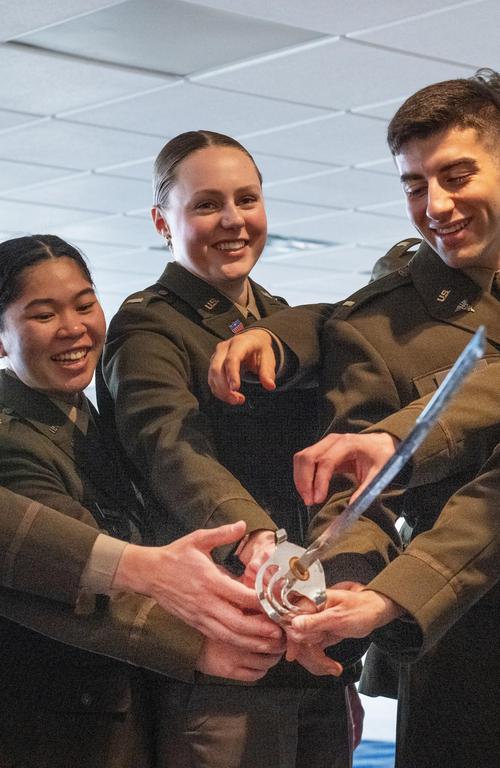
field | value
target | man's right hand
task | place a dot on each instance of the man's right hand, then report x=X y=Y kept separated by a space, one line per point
x=250 y=352
x=224 y=660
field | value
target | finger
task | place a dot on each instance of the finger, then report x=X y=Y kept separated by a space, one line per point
x=267 y=369
x=315 y=660
x=218 y=379
x=292 y=649
x=209 y=538
x=304 y=468
x=367 y=479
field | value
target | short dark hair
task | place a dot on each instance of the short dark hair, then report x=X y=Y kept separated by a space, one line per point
x=177 y=149
x=472 y=102
x=19 y=253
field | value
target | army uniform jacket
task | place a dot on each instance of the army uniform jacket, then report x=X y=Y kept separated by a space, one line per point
x=387 y=346
x=44 y=551
x=206 y=463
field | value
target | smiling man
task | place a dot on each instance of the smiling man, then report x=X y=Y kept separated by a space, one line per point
x=435 y=606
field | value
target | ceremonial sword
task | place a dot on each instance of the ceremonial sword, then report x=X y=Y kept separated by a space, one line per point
x=294 y=572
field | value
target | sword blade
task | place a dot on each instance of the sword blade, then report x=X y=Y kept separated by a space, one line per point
x=464 y=364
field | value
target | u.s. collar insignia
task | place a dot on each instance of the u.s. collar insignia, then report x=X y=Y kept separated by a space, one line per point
x=464 y=306
x=211 y=304
x=443 y=295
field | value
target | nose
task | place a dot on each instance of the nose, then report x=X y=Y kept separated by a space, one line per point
x=232 y=217
x=71 y=325
x=440 y=201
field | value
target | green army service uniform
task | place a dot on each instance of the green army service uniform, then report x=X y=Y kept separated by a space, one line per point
x=208 y=464
x=388 y=345
x=60 y=704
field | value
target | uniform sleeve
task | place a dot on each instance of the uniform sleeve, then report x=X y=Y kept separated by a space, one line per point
x=43 y=554
x=461 y=434
x=455 y=563
x=151 y=378
x=358 y=391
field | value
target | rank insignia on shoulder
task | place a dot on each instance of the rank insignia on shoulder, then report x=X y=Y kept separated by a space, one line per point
x=236 y=326
x=137 y=300
x=211 y=304
x=443 y=295
x=348 y=303
x=404 y=271
x=464 y=306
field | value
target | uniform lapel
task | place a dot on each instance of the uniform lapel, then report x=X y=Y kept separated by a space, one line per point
x=452 y=297
x=215 y=311
x=38 y=410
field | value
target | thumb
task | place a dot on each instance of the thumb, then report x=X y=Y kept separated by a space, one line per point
x=210 y=538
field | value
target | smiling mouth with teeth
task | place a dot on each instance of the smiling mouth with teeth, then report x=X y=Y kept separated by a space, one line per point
x=452 y=228
x=66 y=357
x=231 y=245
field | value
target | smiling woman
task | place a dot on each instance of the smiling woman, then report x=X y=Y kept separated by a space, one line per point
x=205 y=463
x=51 y=325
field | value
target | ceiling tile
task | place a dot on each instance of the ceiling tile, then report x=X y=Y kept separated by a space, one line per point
x=185 y=106
x=333 y=74
x=16 y=175
x=124 y=231
x=339 y=258
x=280 y=212
x=463 y=33
x=347 y=188
x=19 y=18
x=29 y=218
x=342 y=139
x=350 y=227
x=75 y=146
x=92 y=192
x=44 y=83
x=335 y=17
x=171 y=37
x=12 y=119
x=142 y=170
x=147 y=263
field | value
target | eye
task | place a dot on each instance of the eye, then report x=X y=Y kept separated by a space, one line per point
x=87 y=306
x=416 y=191
x=248 y=201
x=43 y=317
x=458 y=181
x=206 y=205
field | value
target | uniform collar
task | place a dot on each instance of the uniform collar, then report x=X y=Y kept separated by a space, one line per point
x=453 y=295
x=217 y=312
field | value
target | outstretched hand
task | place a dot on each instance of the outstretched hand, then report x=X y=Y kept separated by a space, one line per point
x=250 y=352
x=362 y=455
x=185 y=581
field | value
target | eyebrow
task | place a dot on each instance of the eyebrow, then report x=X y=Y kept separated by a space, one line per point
x=218 y=191
x=36 y=302
x=448 y=167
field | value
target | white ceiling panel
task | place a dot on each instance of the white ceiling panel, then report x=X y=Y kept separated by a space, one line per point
x=167 y=36
x=184 y=106
x=347 y=188
x=22 y=17
x=280 y=212
x=75 y=146
x=338 y=258
x=16 y=175
x=125 y=231
x=397 y=208
x=451 y=35
x=147 y=263
x=141 y=170
x=14 y=119
x=333 y=74
x=282 y=168
x=26 y=217
x=342 y=139
x=44 y=83
x=337 y=17
x=348 y=227
x=92 y=192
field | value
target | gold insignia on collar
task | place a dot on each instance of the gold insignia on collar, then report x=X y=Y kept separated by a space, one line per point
x=443 y=295
x=211 y=304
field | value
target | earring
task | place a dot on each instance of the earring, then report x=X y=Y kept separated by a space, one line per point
x=168 y=239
